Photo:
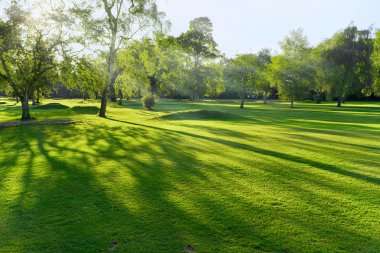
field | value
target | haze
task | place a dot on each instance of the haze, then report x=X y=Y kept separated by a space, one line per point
x=246 y=26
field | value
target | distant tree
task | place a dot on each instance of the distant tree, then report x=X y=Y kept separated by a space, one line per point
x=241 y=75
x=214 y=80
x=292 y=73
x=263 y=86
x=376 y=64
x=29 y=47
x=150 y=65
x=347 y=62
x=200 y=47
x=88 y=76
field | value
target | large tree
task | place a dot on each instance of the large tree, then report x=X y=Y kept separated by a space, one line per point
x=347 y=63
x=241 y=75
x=293 y=73
x=376 y=64
x=200 y=48
x=151 y=66
x=108 y=24
x=263 y=86
x=29 y=45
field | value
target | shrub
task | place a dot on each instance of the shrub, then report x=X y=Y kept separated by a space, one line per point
x=148 y=101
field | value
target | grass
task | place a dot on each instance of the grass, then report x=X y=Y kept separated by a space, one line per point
x=263 y=179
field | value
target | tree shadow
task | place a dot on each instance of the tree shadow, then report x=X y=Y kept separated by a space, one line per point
x=146 y=187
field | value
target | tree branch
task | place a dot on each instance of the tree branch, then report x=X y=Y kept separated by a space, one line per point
x=8 y=76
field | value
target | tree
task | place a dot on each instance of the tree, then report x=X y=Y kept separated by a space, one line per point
x=292 y=73
x=241 y=75
x=109 y=24
x=29 y=47
x=346 y=57
x=375 y=58
x=263 y=83
x=150 y=65
x=200 y=47
x=88 y=75
x=141 y=62
x=214 y=80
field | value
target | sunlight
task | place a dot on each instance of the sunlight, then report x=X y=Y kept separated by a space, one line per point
x=38 y=10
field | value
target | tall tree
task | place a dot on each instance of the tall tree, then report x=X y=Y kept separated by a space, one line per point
x=376 y=64
x=292 y=73
x=241 y=75
x=348 y=64
x=29 y=45
x=200 y=47
x=109 y=24
x=150 y=66
x=263 y=86
x=214 y=79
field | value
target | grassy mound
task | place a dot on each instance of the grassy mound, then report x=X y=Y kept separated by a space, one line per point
x=51 y=106
x=201 y=115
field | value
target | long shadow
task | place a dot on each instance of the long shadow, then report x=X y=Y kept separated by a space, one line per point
x=144 y=187
x=77 y=207
x=319 y=165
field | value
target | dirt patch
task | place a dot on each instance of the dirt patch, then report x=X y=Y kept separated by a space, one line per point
x=38 y=122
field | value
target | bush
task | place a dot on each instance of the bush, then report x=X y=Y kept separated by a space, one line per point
x=148 y=101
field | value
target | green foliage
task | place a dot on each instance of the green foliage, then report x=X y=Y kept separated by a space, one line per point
x=110 y=25
x=346 y=63
x=148 y=101
x=292 y=78
x=295 y=44
x=241 y=73
x=263 y=86
x=198 y=41
x=29 y=47
x=214 y=79
x=375 y=57
x=293 y=73
x=200 y=49
x=89 y=76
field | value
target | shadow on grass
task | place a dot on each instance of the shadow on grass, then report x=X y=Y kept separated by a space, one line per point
x=271 y=153
x=82 y=187
x=85 y=109
x=51 y=106
x=202 y=115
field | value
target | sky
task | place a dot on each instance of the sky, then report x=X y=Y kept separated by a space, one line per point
x=246 y=26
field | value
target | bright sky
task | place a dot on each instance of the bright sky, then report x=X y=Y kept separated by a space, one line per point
x=246 y=26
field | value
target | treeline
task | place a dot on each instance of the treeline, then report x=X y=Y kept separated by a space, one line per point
x=89 y=50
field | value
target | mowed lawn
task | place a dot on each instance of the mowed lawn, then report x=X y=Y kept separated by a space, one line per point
x=208 y=174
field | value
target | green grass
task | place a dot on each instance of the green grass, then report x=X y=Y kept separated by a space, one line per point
x=263 y=179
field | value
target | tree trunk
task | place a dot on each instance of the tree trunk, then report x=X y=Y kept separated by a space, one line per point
x=115 y=75
x=242 y=100
x=340 y=100
x=25 y=108
x=265 y=98
x=38 y=97
x=120 y=97
x=292 y=103
x=111 y=61
x=17 y=100
x=112 y=92
x=103 y=103
x=33 y=101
